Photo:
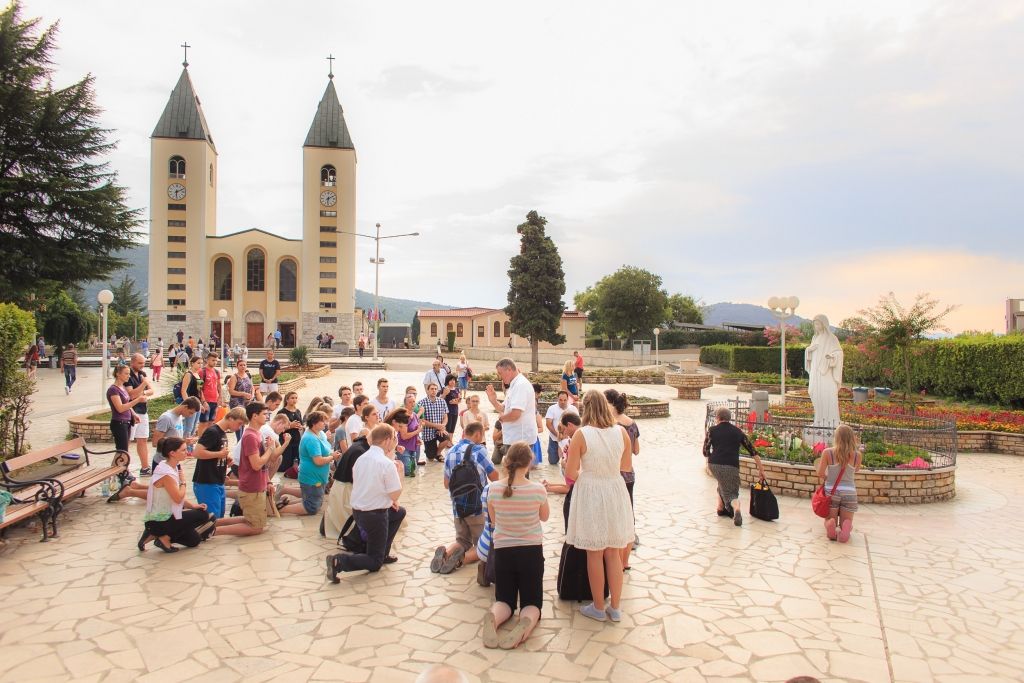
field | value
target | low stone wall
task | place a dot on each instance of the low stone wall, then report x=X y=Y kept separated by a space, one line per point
x=873 y=486
x=313 y=372
x=637 y=411
x=481 y=385
x=991 y=442
x=93 y=430
x=748 y=387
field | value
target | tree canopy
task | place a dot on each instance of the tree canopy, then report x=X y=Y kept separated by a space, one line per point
x=536 y=286
x=127 y=297
x=62 y=213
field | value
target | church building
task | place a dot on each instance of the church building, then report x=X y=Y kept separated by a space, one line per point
x=262 y=281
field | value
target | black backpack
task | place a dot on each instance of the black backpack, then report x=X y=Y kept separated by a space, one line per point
x=464 y=485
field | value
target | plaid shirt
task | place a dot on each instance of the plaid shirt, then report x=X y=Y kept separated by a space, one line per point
x=476 y=451
x=433 y=411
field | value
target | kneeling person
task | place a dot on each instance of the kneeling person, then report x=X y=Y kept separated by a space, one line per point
x=466 y=472
x=212 y=459
x=315 y=458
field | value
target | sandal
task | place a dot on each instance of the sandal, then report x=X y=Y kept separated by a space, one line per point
x=145 y=538
x=490 y=631
x=513 y=638
x=116 y=495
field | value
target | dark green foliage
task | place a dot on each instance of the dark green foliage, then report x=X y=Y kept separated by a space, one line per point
x=64 y=322
x=414 y=329
x=17 y=331
x=450 y=344
x=127 y=297
x=684 y=309
x=674 y=339
x=753 y=358
x=536 y=286
x=62 y=213
x=631 y=301
x=299 y=356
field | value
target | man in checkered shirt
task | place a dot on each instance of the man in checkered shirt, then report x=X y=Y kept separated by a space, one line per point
x=435 y=414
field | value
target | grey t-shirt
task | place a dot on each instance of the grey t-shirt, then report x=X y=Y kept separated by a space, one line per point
x=171 y=425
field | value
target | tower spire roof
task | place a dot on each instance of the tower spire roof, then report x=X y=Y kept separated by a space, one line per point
x=183 y=115
x=328 y=128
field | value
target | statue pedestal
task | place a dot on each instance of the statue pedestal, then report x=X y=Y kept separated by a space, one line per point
x=689 y=385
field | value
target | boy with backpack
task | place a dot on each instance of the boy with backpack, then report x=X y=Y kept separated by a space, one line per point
x=466 y=472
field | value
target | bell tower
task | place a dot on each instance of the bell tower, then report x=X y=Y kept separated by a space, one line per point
x=328 y=221
x=183 y=210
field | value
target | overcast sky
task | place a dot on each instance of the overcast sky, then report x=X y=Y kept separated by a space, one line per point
x=741 y=150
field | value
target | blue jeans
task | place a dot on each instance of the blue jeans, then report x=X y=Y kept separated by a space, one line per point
x=552 y=451
x=463 y=383
x=409 y=461
x=189 y=425
x=312 y=497
x=69 y=375
x=380 y=527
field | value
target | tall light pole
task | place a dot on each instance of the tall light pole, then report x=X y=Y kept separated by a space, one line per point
x=223 y=345
x=783 y=307
x=657 y=354
x=377 y=261
x=105 y=297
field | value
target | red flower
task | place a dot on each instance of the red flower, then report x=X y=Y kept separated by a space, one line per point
x=761 y=443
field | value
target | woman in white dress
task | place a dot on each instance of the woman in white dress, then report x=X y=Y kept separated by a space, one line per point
x=600 y=516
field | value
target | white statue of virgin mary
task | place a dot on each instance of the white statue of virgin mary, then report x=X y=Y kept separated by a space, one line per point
x=823 y=361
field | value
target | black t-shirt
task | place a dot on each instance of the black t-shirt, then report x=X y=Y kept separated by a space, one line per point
x=134 y=380
x=211 y=471
x=269 y=368
x=723 y=442
x=292 y=451
x=343 y=472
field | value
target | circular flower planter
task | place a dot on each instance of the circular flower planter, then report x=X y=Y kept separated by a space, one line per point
x=637 y=411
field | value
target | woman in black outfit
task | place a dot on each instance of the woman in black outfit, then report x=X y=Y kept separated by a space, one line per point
x=290 y=457
x=167 y=519
x=192 y=385
x=722 y=449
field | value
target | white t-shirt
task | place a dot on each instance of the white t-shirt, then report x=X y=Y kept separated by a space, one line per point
x=520 y=395
x=336 y=413
x=354 y=425
x=374 y=478
x=555 y=414
x=382 y=408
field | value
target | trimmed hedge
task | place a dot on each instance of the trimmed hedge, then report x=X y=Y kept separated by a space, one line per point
x=674 y=339
x=753 y=358
x=983 y=368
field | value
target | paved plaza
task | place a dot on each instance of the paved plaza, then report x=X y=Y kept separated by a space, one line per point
x=921 y=593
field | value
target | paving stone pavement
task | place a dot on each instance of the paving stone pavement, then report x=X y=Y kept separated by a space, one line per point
x=921 y=593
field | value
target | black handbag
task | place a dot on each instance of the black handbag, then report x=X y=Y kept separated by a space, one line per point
x=763 y=503
x=351 y=537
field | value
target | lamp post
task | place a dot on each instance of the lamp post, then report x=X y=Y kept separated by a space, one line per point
x=377 y=261
x=105 y=297
x=782 y=308
x=657 y=354
x=223 y=344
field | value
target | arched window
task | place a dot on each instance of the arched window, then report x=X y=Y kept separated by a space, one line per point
x=328 y=176
x=222 y=279
x=433 y=329
x=508 y=329
x=497 y=328
x=287 y=281
x=458 y=330
x=255 y=270
x=176 y=167
x=449 y=327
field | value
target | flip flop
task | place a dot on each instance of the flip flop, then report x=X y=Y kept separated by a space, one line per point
x=490 y=631
x=435 y=564
x=513 y=638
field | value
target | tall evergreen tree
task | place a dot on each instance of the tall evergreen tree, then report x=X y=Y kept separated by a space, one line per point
x=536 y=287
x=62 y=213
x=127 y=297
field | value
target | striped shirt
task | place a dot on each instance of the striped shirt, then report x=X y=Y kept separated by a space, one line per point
x=483 y=544
x=517 y=518
x=69 y=357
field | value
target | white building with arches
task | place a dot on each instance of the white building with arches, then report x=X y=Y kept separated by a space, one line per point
x=263 y=281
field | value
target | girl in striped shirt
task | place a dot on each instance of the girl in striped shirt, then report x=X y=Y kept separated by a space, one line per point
x=517 y=507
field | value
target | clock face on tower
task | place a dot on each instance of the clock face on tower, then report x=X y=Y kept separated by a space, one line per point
x=328 y=198
x=176 y=191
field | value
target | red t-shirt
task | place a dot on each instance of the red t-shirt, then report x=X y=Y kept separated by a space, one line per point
x=579 y=361
x=250 y=480
x=211 y=384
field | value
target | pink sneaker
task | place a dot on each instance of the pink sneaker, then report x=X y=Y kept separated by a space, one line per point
x=830 y=528
x=844 y=530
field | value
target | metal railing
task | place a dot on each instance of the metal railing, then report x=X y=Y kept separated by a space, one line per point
x=938 y=437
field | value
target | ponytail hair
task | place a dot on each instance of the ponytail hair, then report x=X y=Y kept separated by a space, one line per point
x=519 y=454
x=616 y=400
x=168 y=445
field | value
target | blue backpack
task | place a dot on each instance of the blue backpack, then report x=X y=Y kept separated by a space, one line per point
x=464 y=483
x=176 y=392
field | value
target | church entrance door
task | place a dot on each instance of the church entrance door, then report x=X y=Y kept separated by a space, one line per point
x=287 y=334
x=254 y=335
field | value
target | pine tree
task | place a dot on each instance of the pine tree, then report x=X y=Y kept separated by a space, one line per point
x=127 y=297
x=536 y=287
x=62 y=213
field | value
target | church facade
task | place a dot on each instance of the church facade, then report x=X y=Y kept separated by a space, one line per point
x=261 y=281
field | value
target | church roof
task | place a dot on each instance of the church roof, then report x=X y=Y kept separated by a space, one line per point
x=183 y=115
x=328 y=128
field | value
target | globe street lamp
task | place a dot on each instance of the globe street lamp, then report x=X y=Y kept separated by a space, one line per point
x=377 y=261
x=223 y=344
x=783 y=307
x=657 y=356
x=105 y=298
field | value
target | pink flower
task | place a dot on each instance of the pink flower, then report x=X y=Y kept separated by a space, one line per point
x=818 y=448
x=915 y=464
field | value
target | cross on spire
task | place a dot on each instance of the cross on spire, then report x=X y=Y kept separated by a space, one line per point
x=186 y=46
x=330 y=61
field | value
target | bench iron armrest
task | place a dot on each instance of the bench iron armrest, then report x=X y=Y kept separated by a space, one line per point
x=49 y=489
x=121 y=458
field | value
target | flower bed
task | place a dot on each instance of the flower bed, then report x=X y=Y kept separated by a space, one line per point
x=597 y=376
x=894 y=414
x=787 y=446
x=762 y=378
x=639 y=407
x=846 y=396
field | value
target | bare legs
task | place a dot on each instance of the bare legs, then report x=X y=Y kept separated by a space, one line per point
x=142 y=449
x=236 y=526
x=602 y=563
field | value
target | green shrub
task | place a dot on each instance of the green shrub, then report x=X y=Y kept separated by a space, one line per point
x=674 y=339
x=719 y=355
x=299 y=356
x=754 y=358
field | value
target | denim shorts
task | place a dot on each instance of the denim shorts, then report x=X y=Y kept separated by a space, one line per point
x=312 y=497
x=210 y=414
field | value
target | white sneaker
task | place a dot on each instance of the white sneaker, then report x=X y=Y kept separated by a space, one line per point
x=67 y=390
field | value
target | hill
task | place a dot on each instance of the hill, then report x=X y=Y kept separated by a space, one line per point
x=398 y=310
x=748 y=314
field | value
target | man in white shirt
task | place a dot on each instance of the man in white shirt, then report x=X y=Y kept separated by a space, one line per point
x=376 y=488
x=355 y=423
x=518 y=412
x=381 y=402
x=435 y=375
x=345 y=394
x=551 y=419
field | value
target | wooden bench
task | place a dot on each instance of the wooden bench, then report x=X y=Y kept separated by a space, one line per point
x=44 y=496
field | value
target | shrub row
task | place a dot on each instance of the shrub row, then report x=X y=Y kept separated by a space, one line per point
x=674 y=339
x=753 y=358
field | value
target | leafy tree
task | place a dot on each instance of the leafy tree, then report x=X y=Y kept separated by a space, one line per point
x=127 y=297
x=62 y=213
x=134 y=325
x=587 y=302
x=631 y=300
x=684 y=309
x=65 y=322
x=536 y=287
x=899 y=328
x=17 y=331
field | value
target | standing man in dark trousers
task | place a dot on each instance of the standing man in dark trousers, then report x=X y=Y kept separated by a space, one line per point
x=376 y=488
